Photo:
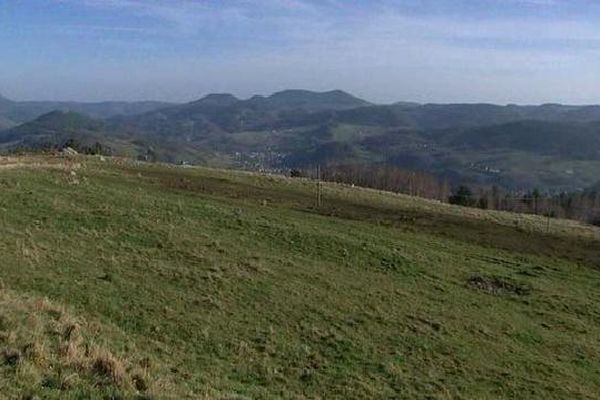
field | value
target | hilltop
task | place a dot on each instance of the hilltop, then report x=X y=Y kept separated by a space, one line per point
x=204 y=283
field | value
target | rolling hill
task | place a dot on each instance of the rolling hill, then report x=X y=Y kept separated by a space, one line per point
x=310 y=101
x=6 y=124
x=5 y=105
x=552 y=147
x=219 y=113
x=18 y=112
x=55 y=128
x=124 y=279
x=569 y=140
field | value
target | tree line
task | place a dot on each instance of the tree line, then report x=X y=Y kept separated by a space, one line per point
x=94 y=149
x=584 y=206
x=381 y=177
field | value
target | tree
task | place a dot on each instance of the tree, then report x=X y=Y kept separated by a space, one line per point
x=536 y=195
x=72 y=143
x=463 y=197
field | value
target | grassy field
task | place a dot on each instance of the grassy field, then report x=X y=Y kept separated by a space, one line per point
x=128 y=280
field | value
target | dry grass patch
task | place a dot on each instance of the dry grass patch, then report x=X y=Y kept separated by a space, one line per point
x=47 y=351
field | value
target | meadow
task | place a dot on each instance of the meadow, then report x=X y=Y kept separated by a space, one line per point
x=125 y=280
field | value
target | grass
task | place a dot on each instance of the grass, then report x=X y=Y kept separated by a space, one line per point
x=236 y=285
x=47 y=351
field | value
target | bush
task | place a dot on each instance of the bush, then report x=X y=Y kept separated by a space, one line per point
x=95 y=149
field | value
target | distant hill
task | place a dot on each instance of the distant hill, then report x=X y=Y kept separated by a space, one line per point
x=309 y=101
x=4 y=101
x=5 y=107
x=25 y=111
x=217 y=113
x=580 y=140
x=444 y=116
x=5 y=123
x=54 y=128
x=217 y=100
x=551 y=146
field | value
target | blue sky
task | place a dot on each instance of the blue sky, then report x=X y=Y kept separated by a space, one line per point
x=502 y=51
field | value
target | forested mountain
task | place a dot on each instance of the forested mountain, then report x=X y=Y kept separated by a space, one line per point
x=16 y=112
x=55 y=127
x=575 y=140
x=552 y=146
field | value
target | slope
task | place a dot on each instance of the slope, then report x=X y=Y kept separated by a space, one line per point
x=57 y=128
x=575 y=140
x=54 y=128
x=5 y=123
x=240 y=287
x=48 y=344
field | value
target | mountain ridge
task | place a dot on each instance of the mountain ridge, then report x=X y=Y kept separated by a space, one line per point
x=19 y=112
x=549 y=146
x=53 y=129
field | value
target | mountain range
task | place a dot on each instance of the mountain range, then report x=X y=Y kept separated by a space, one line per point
x=14 y=113
x=554 y=147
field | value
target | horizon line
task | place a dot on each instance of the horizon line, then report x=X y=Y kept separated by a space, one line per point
x=246 y=98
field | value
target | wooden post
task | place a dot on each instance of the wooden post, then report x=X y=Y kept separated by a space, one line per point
x=319 y=188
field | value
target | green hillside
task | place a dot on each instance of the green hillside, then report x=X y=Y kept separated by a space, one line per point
x=25 y=111
x=53 y=129
x=6 y=124
x=576 y=141
x=129 y=280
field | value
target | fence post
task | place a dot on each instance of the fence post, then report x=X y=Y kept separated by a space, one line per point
x=319 y=187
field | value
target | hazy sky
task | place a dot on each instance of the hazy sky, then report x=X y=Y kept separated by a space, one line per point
x=503 y=51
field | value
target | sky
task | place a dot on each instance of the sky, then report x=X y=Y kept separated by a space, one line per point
x=497 y=51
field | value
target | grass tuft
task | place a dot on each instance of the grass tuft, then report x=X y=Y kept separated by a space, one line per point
x=47 y=351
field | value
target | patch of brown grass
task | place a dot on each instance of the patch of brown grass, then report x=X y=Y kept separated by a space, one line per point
x=43 y=345
x=104 y=364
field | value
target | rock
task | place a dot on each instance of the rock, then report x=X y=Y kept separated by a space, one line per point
x=69 y=151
